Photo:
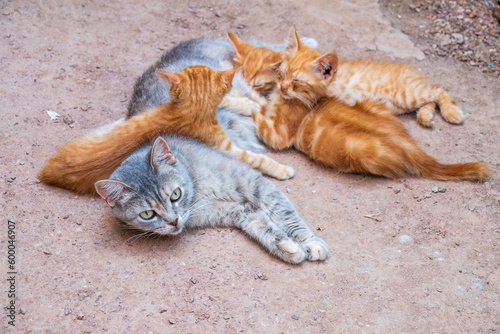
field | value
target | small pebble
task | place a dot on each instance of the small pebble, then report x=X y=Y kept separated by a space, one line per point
x=172 y=321
x=47 y=253
x=80 y=316
x=68 y=120
x=22 y=310
x=163 y=310
x=84 y=108
x=193 y=280
x=287 y=190
x=295 y=317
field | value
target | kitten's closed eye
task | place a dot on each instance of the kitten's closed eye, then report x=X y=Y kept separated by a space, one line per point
x=147 y=215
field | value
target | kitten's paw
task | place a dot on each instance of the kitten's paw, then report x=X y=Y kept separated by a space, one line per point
x=425 y=115
x=289 y=251
x=453 y=114
x=244 y=106
x=317 y=249
x=286 y=173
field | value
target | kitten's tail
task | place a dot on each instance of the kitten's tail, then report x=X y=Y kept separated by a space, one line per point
x=426 y=166
x=79 y=164
x=76 y=167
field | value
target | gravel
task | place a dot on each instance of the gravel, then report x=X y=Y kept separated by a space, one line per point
x=465 y=30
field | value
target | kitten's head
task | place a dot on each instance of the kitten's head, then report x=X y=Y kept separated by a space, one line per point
x=258 y=64
x=304 y=74
x=150 y=191
x=199 y=84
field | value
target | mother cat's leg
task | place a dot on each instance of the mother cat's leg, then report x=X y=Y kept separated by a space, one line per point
x=284 y=215
x=260 y=227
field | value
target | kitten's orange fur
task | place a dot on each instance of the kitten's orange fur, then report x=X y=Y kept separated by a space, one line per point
x=400 y=87
x=364 y=138
x=196 y=93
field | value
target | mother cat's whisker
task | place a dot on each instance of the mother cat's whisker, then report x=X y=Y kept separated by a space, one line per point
x=138 y=236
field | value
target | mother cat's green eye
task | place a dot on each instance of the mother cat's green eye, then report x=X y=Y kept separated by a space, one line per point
x=148 y=214
x=176 y=194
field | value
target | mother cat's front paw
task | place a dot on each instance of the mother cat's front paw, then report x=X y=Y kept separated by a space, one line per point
x=290 y=252
x=316 y=249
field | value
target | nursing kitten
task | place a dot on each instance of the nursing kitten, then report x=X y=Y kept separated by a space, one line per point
x=151 y=91
x=195 y=92
x=164 y=189
x=364 y=138
x=398 y=86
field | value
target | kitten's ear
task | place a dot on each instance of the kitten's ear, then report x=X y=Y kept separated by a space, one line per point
x=110 y=190
x=173 y=78
x=161 y=154
x=294 y=43
x=241 y=48
x=227 y=76
x=326 y=65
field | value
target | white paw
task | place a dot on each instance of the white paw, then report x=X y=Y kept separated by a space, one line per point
x=244 y=106
x=291 y=252
x=289 y=172
x=317 y=249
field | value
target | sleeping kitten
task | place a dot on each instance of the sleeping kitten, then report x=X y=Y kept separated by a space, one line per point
x=364 y=138
x=164 y=189
x=398 y=86
x=195 y=93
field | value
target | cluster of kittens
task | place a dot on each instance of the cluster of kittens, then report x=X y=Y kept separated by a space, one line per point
x=170 y=164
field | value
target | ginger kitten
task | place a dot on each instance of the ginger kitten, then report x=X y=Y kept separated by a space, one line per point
x=363 y=138
x=398 y=86
x=196 y=92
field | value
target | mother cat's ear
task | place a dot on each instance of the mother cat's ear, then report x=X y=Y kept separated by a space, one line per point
x=173 y=78
x=326 y=65
x=161 y=154
x=294 y=43
x=110 y=190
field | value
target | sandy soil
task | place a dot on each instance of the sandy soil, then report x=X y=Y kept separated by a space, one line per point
x=404 y=259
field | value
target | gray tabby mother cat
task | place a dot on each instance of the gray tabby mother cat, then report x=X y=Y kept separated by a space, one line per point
x=163 y=189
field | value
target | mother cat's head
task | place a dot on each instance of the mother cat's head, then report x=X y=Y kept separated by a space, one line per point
x=150 y=191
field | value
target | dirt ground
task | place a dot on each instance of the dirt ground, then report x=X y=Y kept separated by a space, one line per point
x=404 y=259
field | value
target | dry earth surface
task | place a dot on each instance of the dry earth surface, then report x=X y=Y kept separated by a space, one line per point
x=404 y=258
